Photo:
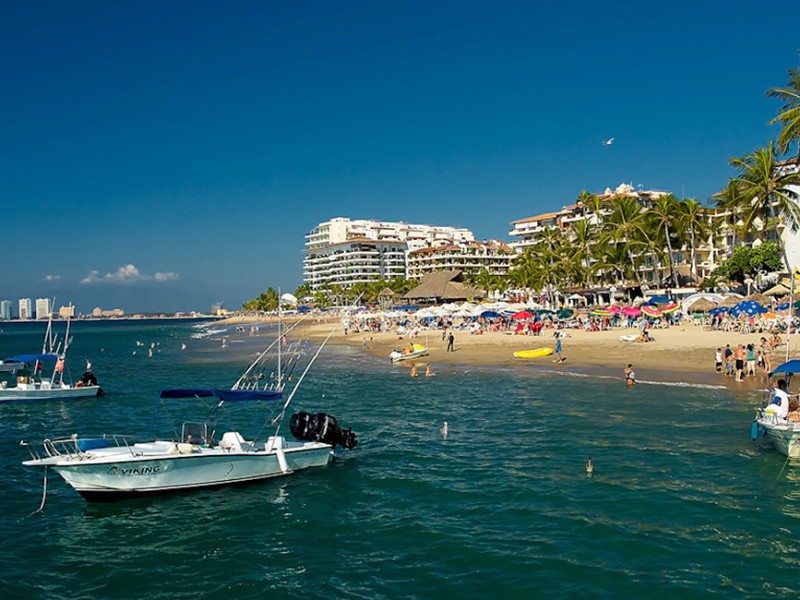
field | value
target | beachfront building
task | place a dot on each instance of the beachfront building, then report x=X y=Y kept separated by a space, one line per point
x=468 y=257
x=5 y=310
x=43 y=308
x=343 y=252
x=25 y=308
x=67 y=312
x=597 y=209
x=100 y=313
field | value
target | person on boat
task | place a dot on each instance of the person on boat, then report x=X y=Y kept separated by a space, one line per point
x=630 y=376
x=779 y=406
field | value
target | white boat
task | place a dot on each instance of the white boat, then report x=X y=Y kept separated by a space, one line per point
x=783 y=433
x=409 y=352
x=108 y=468
x=44 y=376
x=112 y=467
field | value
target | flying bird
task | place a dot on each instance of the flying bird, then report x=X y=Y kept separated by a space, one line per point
x=607 y=142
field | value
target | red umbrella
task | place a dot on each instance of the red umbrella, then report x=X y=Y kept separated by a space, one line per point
x=631 y=311
x=670 y=308
x=651 y=311
x=613 y=309
x=523 y=314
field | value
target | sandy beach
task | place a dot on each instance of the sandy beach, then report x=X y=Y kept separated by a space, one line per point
x=682 y=353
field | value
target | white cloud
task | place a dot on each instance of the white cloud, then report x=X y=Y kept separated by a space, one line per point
x=127 y=274
x=51 y=278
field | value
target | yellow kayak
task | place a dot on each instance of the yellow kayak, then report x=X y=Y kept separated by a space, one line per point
x=536 y=353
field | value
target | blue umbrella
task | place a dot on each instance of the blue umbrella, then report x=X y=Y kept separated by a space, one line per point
x=490 y=314
x=720 y=310
x=659 y=299
x=749 y=307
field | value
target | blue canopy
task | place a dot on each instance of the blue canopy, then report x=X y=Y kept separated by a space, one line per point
x=227 y=395
x=793 y=366
x=659 y=299
x=32 y=358
x=303 y=309
x=748 y=307
x=490 y=314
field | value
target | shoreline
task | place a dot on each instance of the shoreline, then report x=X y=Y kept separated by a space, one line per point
x=680 y=354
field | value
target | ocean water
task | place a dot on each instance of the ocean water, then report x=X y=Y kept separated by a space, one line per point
x=681 y=501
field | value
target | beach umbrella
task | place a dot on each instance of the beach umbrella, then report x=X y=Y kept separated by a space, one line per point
x=703 y=305
x=670 y=308
x=565 y=313
x=613 y=309
x=719 y=310
x=651 y=311
x=748 y=307
x=490 y=314
x=523 y=314
x=760 y=298
x=545 y=311
x=659 y=299
x=602 y=312
x=730 y=301
x=631 y=311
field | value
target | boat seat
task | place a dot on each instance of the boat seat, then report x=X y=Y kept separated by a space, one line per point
x=231 y=441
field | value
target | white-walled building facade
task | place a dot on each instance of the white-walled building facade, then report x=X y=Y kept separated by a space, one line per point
x=25 y=308
x=43 y=308
x=469 y=257
x=344 y=252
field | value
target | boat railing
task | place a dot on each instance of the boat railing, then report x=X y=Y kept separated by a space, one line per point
x=74 y=446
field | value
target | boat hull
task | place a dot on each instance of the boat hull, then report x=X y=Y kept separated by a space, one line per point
x=119 y=473
x=17 y=394
x=784 y=436
x=397 y=357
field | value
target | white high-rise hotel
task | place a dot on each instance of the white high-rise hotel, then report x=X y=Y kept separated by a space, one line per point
x=345 y=252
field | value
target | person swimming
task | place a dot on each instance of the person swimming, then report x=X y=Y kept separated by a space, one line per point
x=589 y=466
x=444 y=430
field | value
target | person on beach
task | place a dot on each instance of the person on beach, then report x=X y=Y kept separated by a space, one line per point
x=630 y=376
x=451 y=340
x=728 y=360
x=718 y=360
x=738 y=357
x=751 y=359
x=559 y=358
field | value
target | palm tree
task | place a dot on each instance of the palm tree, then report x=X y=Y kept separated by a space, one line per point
x=789 y=115
x=663 y=217
x=694 y=222
x=624 y=226
x=583 y=235
x=767 y=194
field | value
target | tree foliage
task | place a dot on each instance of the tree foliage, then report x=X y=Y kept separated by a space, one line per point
x=748 y=262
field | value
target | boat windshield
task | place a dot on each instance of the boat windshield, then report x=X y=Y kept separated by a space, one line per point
x=195 y=434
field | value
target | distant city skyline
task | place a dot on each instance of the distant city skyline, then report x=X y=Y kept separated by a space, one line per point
x=169 y=157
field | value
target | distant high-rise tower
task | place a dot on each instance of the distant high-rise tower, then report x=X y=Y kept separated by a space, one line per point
x=5 y=310
x=43 y=308
x=25 y=308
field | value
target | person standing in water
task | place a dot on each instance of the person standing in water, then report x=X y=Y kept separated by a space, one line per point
x=630 y=376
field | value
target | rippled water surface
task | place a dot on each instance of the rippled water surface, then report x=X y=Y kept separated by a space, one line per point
x=681 y=502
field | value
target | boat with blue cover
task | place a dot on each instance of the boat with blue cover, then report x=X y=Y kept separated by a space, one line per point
x=780 y=426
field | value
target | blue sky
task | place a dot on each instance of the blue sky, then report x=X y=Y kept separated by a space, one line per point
x=167 y=155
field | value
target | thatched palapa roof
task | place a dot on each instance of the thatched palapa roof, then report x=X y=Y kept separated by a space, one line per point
x=443 y=285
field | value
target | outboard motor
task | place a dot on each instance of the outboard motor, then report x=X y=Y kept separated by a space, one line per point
x=88 y=378
x=323 y=428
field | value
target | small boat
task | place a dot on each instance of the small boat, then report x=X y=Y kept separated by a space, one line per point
x=535 y=353
x=782 y=432
x=113 y=467
x=27 y=379
x=409 y=352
